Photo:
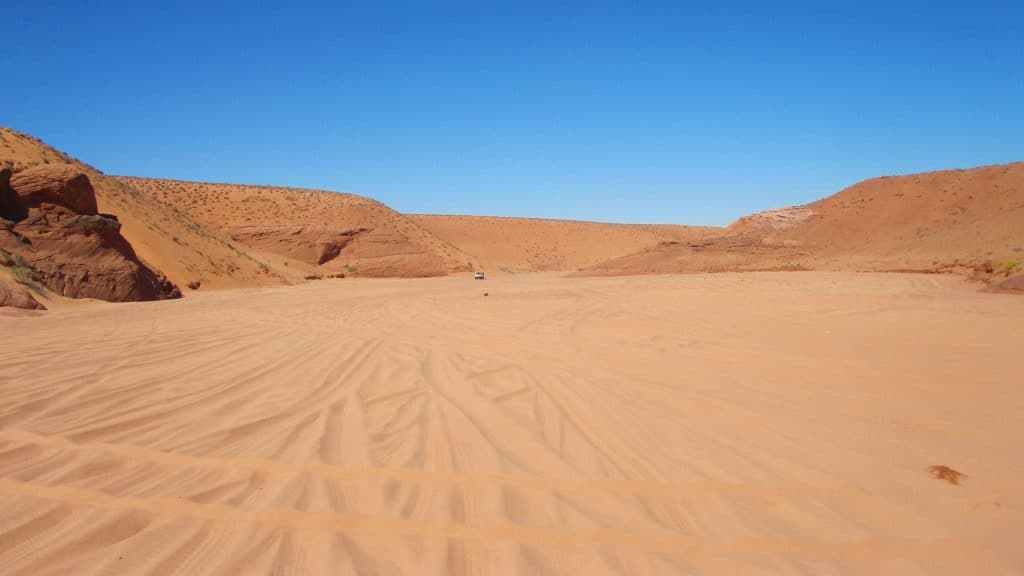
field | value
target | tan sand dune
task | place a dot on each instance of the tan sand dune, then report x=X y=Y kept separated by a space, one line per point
x=528 y=244
x=938 y=221
x=921 y=221
x=318 y=231
x=775 y=423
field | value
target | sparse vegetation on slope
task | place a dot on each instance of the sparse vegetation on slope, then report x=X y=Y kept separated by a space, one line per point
x=311 y=231
x=225 y=235
x=947 y=221
x=162 y=235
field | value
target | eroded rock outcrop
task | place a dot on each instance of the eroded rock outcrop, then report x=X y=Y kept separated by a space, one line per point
x=359 y=251
x=314 y=244
x=60 y=185
x=328 y=233
x=15 y=295
x=54 y=228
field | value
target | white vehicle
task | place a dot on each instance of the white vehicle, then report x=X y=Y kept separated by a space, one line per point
x=478 y=276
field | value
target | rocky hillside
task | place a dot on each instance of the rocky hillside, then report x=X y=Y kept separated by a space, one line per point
x=69 y=228
x=965 y=221
x=52 y=234
x=215 y=235
x=916 y=222
x=320 y=232
x=166 y=238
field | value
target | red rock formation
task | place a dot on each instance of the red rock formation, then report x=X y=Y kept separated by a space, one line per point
x=312 y=244
x=55 y=185
x=17 y=296
x=379 y=253
x=53 y=226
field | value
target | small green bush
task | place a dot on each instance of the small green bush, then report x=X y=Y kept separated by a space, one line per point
x=23 y=272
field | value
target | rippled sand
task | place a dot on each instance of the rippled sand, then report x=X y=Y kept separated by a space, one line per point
x=778 y=423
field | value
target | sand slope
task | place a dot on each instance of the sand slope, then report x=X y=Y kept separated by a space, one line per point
x=920 y=221
x=165 y=237
x=926 y=222
x=227 y=235
x=325 y=232
x=704 y=424
x=526 y=244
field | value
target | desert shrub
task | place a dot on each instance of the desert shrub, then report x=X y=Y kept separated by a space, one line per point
x=1009 y=266
x=24 y=273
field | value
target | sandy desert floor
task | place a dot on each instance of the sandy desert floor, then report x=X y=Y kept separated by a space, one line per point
x=773 y=423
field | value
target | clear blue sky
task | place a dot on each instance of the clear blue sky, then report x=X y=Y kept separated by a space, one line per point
x=685 y=112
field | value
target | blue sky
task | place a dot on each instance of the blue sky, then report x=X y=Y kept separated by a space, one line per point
x=683 y=112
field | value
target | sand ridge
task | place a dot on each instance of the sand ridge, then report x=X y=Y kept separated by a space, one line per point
x=529 y=244
x=959 y=221
x=769 y=423
x=313 y=230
